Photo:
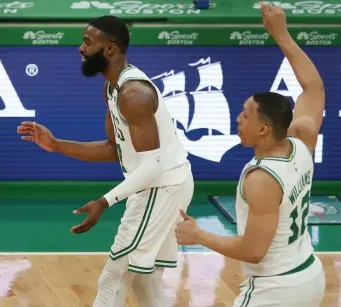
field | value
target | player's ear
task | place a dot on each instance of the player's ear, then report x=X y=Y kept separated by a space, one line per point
x=264 y=129
x=111 y=49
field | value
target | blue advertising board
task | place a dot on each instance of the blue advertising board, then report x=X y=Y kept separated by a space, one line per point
x=204 y=88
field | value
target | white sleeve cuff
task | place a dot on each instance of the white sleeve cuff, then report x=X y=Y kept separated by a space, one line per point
x=148 y=171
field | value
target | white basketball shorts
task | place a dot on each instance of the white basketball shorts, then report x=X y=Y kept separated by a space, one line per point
x=146 y=233
x=304 y=288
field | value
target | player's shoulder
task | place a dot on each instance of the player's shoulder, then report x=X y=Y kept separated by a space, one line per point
x=131 y=73
x=135 y=87
x=136 y=101
x=137 y=91
x=261 y=178
x=261 y=183
x=133 y=83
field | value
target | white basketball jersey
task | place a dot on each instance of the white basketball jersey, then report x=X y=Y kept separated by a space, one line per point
x=174 y=162
x=291 y=245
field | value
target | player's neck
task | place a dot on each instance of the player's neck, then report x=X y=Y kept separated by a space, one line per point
x=114 y=72
x=273 y=149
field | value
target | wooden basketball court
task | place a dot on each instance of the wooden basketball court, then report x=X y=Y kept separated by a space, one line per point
x=70 y=279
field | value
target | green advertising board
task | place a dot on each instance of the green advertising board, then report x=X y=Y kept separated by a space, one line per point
x=323 y=210
x=171 y=36
x=179 y=11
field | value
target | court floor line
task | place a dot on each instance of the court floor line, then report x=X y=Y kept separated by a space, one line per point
x=106 y=253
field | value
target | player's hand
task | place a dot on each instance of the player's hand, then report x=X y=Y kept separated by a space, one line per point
x=274 y=20
x=186 y=231
x=93 y=210
x=39 y=134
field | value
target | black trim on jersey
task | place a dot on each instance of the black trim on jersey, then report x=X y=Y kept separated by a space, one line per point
x=259 y=162
x=110 y=91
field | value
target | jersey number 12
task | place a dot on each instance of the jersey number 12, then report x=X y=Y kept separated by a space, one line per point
x=294 y=215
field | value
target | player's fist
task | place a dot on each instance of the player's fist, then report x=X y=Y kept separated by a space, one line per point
x=274 y=20
x=186 y=231
x=39 y=134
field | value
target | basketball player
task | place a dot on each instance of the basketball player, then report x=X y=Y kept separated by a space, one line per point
x=158 y=177
x=273 y=193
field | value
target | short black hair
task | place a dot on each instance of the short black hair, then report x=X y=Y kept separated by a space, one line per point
x=276 y=109
x=115 y=28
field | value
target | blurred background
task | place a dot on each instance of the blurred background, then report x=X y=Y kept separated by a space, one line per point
x=206 y=58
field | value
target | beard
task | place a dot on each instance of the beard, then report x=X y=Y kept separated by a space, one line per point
x=94 y=64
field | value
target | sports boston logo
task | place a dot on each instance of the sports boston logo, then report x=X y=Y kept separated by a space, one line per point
x=140 y=7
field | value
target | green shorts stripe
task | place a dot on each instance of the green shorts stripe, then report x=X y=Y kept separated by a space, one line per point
x=166 y=264
x=142 y=228
x=249 y=292
x=158 y=263
x=138 y=269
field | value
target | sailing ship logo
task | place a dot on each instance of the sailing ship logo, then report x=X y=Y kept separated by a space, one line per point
x=211 y=110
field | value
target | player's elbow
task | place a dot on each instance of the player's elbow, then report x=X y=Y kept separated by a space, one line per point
x=314 y=85
x=255 y=259
x=255 y=256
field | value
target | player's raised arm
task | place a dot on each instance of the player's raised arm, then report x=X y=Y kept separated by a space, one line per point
x=309 y=107
x=138 y=102
x=97 y=151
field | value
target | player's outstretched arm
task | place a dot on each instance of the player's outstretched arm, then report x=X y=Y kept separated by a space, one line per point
x=137 y=102
x=263 y=194
x=97 y=151
x=309 y=107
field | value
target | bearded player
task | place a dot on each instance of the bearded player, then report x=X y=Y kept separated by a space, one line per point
x=158 y=177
